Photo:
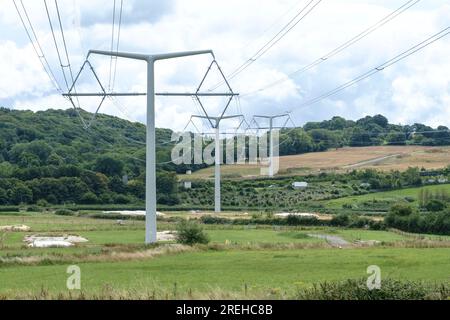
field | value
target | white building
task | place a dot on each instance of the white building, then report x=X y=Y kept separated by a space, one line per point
x=300 y=185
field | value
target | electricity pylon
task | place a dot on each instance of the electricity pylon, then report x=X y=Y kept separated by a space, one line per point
x=215 y=123
x=150 y=178
x=270 y=128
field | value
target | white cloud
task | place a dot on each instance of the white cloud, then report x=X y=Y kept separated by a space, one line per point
x=414 y=90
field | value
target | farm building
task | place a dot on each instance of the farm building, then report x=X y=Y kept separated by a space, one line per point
x=300 y=185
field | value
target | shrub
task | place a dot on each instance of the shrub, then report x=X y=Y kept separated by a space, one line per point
x=411 y=221
x=292 y=220
x=435 y=205
x=65 y=212
x=42 y=203
x=34 y=209
x=341 y=220
x=402 y=210
x=390 y=290
x=121 y=199
x=168 y=199
x=190 y=233
x=213 y=220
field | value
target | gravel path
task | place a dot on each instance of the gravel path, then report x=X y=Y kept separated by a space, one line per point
x=372 y=161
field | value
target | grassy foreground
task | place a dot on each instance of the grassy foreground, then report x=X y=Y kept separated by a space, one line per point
x=240 y=262
x=281 y=271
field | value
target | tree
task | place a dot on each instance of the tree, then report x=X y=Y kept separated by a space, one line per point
x=359 y=138
x=137 y=188
x=396 y=138
x=37 y=150
x=96 y=182
x=191 y=233
x=89 y=198
x=380 y=120
x=109 y=166
x=116 y=185
x=166 y=182
x=401 y=210
x=6 y=170
x=412 y=176
x=3 y=197
x=20 y=193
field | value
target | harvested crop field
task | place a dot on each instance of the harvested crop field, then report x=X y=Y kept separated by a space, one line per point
x=380 y=157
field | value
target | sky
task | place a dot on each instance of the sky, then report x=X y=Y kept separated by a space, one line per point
x=416 y=89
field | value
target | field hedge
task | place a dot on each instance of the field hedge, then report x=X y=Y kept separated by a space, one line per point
x=390 y=289
x=342 y=220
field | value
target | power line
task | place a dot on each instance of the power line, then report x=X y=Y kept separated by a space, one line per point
x=40 y=53
x=112 y=45
x=272 y=25
x=342 y=47
x=381 y=67
x=274 y=40
x=117 y=44
x=66 y=51
x=56 y=45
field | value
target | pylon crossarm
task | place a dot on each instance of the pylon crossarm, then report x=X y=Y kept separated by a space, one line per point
x=199 y=94
x=172 y=94
x=106 y=94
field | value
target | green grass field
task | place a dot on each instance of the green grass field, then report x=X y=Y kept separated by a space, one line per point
x=267 y=261
x=385 y=196
x=232 y=270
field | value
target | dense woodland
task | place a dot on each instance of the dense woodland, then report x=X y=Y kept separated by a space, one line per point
x=369 y=131
x=48 y=157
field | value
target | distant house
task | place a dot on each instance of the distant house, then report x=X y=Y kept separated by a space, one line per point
x=443 y=180
x=300 y=185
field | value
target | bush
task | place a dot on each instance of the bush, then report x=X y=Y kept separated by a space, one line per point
x=42 y=203
x=190 y=233
x=292 y=220
x=409 y=220
x=34 y=209
x=390 y=290
x=341 y=220
x=435 y=205
x=121 y=199
x=213 y=220
x=168 y=199
x=402 y=210
x=65 y=212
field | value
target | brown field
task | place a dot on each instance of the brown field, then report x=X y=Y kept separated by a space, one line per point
x=380 y=157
